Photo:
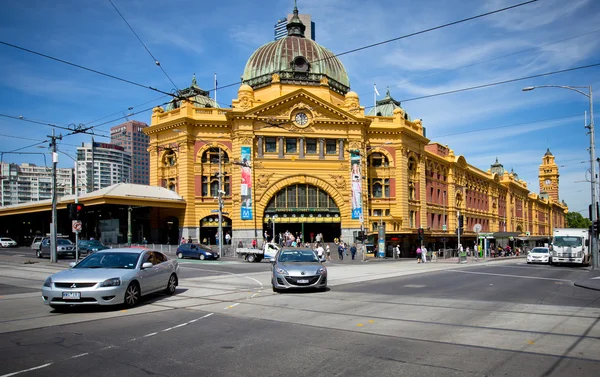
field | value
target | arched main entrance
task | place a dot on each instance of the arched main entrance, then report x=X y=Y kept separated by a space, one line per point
x=209 y=227
x=303 y=209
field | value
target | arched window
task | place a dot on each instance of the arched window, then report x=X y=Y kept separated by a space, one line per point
x=211 y=155
x=169 y=158
x=378 y=160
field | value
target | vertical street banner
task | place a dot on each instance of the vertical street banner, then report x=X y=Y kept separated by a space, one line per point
x=356 y=179
x=246 y=184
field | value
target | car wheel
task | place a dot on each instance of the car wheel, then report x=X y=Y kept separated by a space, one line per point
x=528 y=262
x=132 y=295
x=202 y=256
x=171 y=285
x=180 y=255
x=276 y=290
x=39 y=253
x=250 y=258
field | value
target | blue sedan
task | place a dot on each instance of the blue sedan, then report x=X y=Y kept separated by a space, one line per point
x=193 y=250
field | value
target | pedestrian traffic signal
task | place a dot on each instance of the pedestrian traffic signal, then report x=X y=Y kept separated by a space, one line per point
x=361 y=236
x=72 y=211
x=460 y=221
x=421 y=233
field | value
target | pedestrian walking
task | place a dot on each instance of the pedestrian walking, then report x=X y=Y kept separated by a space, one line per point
x=327 y=253
x=397 y=251
x=227 y=238
x=418 y=255
x=190 y=239
x=320 y=252
x=254 y=243
x=145 y=241
x=424 y=254
x=353 y=251
x=182 y=240
x=341 y=251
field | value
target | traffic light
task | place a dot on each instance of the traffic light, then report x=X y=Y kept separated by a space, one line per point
x=78 y=210
x=72 y=211
x=421 y=233
x=596 y=226
x=361 y=235
x=460 y=221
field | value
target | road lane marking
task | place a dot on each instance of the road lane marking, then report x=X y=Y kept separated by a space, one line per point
x=510 y=276
x=148 y=335
x=80 y=355
x=27 y=370
x=226 y=272
x=231 y=306
x=183 y=324
x=598 y=277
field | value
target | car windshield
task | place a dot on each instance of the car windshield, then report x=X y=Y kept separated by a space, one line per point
x=110 y=260
x=564 y=241
x=288 y=256
x=539 y=250
x=64 y=242
x=94 y=243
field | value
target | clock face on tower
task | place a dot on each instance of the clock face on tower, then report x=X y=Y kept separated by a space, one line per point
x=301 y=119
x=547 y=181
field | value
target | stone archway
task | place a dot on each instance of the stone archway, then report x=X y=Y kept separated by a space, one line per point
x=301 y=207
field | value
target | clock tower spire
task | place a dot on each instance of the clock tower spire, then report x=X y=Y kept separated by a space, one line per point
x=548 y=176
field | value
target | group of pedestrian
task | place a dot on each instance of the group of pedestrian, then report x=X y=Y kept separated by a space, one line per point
x=421 y=254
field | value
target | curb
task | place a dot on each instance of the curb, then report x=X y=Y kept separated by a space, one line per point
x=585 y=286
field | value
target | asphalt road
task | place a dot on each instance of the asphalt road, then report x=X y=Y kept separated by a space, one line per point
x=380 y=319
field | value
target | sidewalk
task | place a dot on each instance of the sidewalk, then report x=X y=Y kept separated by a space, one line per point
x=592 y=282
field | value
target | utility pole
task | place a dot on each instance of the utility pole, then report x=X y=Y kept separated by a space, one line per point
x=220 y=200
x=53 y=255
x=76 y=202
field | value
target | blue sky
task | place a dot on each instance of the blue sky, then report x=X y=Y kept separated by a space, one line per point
x=203 y=38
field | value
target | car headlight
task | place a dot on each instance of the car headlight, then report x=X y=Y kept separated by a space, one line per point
x=114 y=282
x=48 y=283
x=281 y=271
x=208 y=254
x=321 y=271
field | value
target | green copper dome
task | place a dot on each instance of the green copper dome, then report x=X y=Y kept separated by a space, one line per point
x=296 y=60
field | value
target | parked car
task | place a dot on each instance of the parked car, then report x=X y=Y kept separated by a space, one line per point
x=539 y=255
x=64 y=247
x=90 y=246
x=112 y=277
x=35 y=244
x=194 y=250
x=298 y=268
x=7 y=242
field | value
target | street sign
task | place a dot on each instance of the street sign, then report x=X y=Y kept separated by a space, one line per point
x=477 y=228
x=76 y=226
x=444 y=227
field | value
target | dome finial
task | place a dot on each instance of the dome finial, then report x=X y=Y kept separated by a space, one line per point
x=295 y=27
x=194 y=79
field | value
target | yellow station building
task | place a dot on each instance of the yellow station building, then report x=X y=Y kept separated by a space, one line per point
x=297 y=148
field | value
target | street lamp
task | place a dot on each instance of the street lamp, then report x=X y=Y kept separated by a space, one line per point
x=589 y=95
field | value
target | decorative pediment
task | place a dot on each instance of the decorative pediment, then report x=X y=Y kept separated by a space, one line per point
x=284 y=108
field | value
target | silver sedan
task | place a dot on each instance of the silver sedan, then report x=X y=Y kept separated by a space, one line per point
x=111 y=277
x=298 y=268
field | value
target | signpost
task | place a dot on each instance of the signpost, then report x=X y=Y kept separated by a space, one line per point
x=477 y=228
x=76 y=226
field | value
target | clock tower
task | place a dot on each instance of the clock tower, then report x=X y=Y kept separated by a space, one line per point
x=548 y=176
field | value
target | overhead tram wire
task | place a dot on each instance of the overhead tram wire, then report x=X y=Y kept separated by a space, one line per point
x=407 y=36
x=139 y=39
x=426 y=30
x=79 y=129
x=87 y=69
x=490 y=60
x=121 y=112
x=500 y=82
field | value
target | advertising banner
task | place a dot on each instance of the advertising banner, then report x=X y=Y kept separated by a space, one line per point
x=356 y=179
x=246 y=186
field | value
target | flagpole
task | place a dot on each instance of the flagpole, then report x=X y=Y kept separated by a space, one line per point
x=215 y=88
x=375 y=97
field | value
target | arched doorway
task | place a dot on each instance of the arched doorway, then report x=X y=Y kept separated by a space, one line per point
x=303 y=209
x=170 y=232
x=209 y=227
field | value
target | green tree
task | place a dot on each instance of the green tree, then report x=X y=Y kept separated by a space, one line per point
x=575 y=220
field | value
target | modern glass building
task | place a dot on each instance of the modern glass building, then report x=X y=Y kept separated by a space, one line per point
x=129 y=135
x=100 y=165
x=30 y=183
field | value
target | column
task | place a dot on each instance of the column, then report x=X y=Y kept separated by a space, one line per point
x=340 y=149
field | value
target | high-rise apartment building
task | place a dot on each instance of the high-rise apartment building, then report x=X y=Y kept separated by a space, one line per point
x=280 y=28
x=30 y=183
x=100 y=165
x=129 y=135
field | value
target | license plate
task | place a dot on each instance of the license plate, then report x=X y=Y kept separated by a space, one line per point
x=71 y=295
x=302 y=281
